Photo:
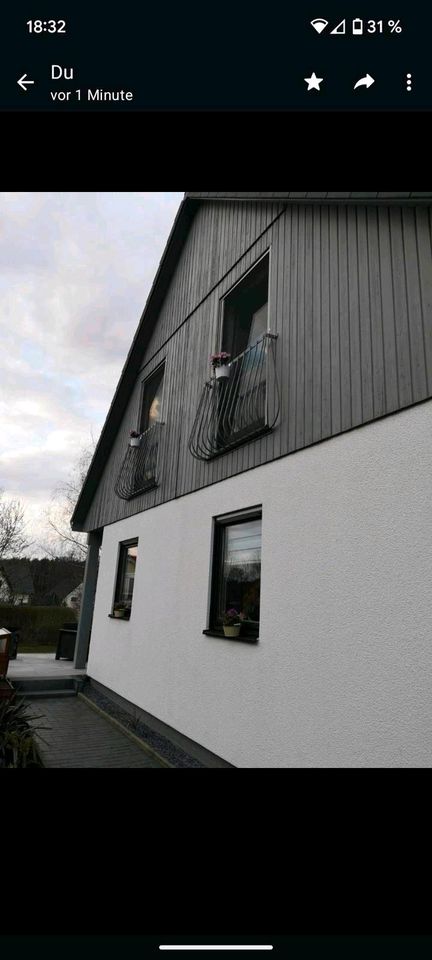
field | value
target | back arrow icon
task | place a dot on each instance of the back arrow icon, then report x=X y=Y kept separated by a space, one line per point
x=22 y=82
x=366 y=81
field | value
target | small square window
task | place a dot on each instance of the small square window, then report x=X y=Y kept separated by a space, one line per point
x=125 y=579
x=236 y=573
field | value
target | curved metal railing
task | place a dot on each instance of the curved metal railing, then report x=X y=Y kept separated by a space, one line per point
x=138 y=471
x=234 y=410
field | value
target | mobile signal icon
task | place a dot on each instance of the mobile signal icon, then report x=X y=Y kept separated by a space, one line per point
x=340 y=27
x=319 y=25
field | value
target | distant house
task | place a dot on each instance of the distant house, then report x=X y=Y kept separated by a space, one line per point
x=68 y=591
x=73 y=599
x=285 y=480
x=16 y=582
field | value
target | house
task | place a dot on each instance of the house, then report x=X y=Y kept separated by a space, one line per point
x=68 y=592
x=16 y=583
x=73 y=599
x=293 y=487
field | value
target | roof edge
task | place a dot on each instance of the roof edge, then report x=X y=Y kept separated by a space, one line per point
x=157 y=293
x=350 y=197
x=130 y=369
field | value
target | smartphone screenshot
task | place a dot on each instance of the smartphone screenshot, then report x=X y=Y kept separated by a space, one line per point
x=132 y=58
x=215 y=463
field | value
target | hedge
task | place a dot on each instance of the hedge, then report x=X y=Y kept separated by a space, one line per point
x=38 y=625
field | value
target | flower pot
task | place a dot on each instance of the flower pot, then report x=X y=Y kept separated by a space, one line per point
x=222 y=372
x=232 y=631
x=119 y=613
x=135 y=442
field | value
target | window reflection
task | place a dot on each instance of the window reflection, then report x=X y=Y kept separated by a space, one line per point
x=241 y=573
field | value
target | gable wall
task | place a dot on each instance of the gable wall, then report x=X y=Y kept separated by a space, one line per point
x=350 y=300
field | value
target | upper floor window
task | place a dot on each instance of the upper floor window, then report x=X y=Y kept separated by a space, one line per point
x=152 y=398
x=241 y=399
x=139 y=470
x=245 y=310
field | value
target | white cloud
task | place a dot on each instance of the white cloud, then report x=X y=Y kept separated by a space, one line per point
x=75 y=272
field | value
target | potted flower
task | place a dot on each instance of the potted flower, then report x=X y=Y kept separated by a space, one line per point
x=135 y=439
x=231 y=623
x=219 y=362
x=119 y=610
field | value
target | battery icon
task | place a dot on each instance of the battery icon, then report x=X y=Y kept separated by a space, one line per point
x=357 y=26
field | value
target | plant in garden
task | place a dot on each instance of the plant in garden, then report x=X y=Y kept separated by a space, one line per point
x=17 y=742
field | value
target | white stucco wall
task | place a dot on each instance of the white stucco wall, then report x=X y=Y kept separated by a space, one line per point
x=341 y=675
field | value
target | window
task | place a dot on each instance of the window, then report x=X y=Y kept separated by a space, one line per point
x=236 y=574
x=242 y=402
x=245 y=310
x=125 y=578
x=152 y=396
x=139 y=470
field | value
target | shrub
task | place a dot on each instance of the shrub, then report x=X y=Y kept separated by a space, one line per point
x=17 y=743
x=36 y=625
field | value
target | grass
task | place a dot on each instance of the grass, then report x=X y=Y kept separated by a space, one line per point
x=36 y=648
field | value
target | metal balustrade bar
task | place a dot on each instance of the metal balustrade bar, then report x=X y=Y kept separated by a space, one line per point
x=237 y=409
x=138 y=471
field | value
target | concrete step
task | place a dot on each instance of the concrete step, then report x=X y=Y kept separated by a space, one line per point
x=46 y=694
x=48 y=686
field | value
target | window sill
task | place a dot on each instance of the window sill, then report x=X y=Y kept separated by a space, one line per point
x=221 y=636
x=112 y=617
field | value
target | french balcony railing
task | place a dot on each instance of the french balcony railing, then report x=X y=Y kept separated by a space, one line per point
x=241 y=407
x=139 y=470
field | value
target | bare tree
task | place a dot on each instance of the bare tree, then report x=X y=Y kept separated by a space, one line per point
x=13 y=541
x=64 y=541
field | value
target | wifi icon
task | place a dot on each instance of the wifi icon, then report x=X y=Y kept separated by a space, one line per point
x=319 y=25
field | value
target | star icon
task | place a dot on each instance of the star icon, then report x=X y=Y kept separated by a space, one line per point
x=313 y=82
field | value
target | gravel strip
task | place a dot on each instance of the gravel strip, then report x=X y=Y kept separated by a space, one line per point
x=167 y=750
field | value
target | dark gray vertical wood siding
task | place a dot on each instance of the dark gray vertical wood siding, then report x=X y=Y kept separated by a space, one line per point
x=351 y=301
x=220 y=233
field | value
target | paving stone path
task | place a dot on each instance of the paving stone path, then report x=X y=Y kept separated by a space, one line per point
x=80 y=737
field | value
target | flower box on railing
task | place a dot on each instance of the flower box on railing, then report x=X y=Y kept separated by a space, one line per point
x=219 y=362
x=222 y=372
x=243 y=407
x=139 y=469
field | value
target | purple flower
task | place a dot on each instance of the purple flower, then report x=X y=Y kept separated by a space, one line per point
x=230 y=617
x=217 y=359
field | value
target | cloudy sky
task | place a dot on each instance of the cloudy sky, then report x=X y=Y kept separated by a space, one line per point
x=75 y=271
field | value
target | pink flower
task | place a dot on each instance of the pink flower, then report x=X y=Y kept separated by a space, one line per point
x=218 y=359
